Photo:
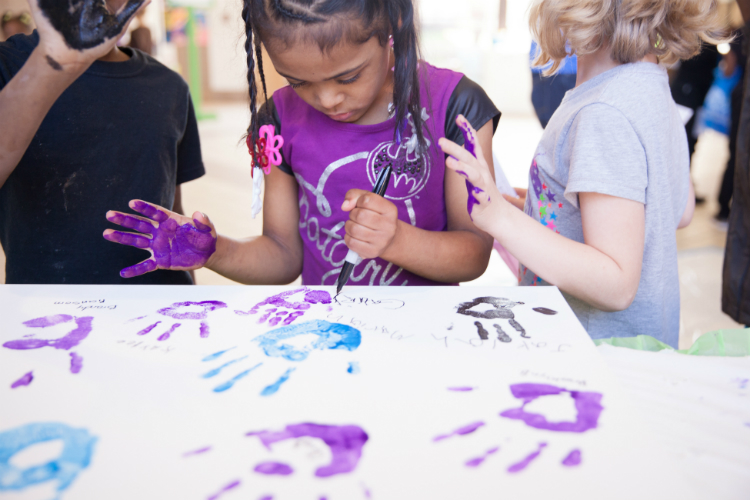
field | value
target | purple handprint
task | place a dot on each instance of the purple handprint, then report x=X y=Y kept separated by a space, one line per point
x=172 y=246
x=177 y=311
x=278 y=306
x=67 y=342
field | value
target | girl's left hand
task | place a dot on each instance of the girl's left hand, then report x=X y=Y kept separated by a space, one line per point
x=484 y=198
x=372 y=224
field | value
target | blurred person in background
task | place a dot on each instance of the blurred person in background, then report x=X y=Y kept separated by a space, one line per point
x=735 y=297
x=734 y=59
x=14 y=24
x=140 y=37
x=547 y=92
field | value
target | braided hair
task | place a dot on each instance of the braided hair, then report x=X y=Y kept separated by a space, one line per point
x=382 y=18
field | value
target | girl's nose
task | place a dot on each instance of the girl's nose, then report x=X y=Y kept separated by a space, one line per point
x=330 y=99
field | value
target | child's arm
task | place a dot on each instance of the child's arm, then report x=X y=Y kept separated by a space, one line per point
x=459 y=254
x=181 y=243
x=604 y=271
x=49 y=70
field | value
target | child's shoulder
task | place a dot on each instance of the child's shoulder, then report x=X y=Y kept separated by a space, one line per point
x=153 y=69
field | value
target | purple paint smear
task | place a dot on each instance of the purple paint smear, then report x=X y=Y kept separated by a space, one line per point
x=588 y=408
x=197 y=452
x=345 y=442
x=149 y=328
x=76 y=363
x=476 y=462
x=518 y=467
x=461 y=389
x=573 y=459
x=174 y=247
x=23 y=381
x=226 y=488
x=69 y=341
x=164 y=336
x=273 y=469
x=279 y=305
x=470 y=145
x=461 y=431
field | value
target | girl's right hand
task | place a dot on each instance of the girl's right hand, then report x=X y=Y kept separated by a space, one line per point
x=175 y=242
x=72 y=35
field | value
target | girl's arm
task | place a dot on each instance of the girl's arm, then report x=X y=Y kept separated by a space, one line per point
x=275 y=257
x=180 y=243
x=604 y=271
x=459 y=254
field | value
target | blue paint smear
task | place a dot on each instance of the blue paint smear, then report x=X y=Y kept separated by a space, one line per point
x=78 y=446
x=215 y=355
x=353 y=368
x=229 y=383
x=215 y=371
x=330 y=336
x=273 y=388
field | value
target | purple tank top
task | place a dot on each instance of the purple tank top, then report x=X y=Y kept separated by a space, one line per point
x=328 y=158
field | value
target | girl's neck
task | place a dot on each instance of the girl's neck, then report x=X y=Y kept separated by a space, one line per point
x=600 y=61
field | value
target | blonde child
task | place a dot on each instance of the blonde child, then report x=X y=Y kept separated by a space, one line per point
x=609 y=183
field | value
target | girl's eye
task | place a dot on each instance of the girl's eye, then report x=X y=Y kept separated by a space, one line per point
x=350 y=80
x=296 y=85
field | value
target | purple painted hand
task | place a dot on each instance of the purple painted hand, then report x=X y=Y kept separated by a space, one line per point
x=469 y=163
x=176 y=242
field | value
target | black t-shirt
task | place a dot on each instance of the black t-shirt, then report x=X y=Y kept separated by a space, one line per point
x=123 y=130
x=468 y=99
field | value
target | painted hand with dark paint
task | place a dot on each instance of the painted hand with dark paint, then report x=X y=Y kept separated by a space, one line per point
x=469 y=163
x=79 y=32
x=174 y=241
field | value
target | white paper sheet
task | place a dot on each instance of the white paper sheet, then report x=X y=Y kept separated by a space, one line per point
x=218 y=406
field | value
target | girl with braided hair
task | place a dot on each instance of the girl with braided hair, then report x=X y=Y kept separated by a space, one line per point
x=359 y=100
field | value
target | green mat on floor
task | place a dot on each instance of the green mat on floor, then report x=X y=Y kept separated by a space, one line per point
x=718 y=343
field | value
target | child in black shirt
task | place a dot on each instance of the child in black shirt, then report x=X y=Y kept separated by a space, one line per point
x=83 y=131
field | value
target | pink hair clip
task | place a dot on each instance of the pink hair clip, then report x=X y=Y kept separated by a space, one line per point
x=267 y=148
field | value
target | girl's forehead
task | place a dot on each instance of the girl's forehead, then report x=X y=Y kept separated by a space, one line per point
x=305 y=61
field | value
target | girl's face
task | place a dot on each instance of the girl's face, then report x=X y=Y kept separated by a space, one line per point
x=351 y=83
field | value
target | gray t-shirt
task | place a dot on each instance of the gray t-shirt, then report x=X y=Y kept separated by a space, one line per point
x=618 y=134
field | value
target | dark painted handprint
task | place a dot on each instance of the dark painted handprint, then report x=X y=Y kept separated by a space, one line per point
x=172 y=246
x=501 y=309
x=87 y=23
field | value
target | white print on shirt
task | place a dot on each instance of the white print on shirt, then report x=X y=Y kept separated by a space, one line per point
x=411 y=172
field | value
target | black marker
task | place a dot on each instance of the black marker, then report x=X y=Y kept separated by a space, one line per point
x=352 y=258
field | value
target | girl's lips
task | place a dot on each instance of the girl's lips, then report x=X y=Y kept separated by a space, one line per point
x=341 y=117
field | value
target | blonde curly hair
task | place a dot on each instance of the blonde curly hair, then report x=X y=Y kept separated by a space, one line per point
x=669 y=29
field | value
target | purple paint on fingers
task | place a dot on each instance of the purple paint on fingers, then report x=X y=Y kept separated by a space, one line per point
x=518 y=467
x=188 y=246
x=476 y=462
x=573 y=459
x=23 y=381
x=226 y=488
x=588 y=408
x=344 y=441
x=76 y=363
x=69 y=341
x=470 y=145
x=470 y=140
x=461 y=431
x=164 y=336
x=472 y=201
x=273 y=469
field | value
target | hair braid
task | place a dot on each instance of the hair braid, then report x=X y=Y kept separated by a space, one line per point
x=247 y=15
x=286 y=12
